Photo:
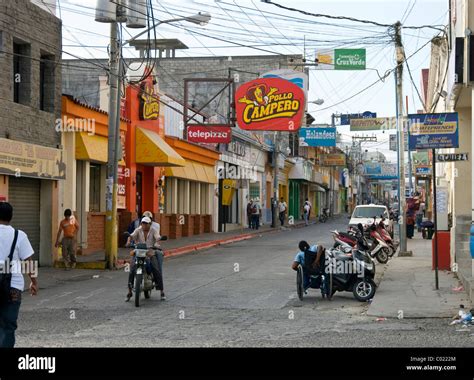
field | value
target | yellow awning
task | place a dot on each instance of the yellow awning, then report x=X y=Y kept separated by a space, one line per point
x=152 y=150
x=193 y=171
x=91 y=148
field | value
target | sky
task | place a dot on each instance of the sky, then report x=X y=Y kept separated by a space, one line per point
x=270 y=29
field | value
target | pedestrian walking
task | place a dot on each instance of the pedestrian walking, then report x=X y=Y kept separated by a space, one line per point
x=14 y=248
x=256 y=213
x=68 y=227
x=310 y=207
x=306 y=210
x=249 y=213
x=282 y=207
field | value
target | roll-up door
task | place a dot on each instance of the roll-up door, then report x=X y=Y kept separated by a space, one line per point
x=24 y=196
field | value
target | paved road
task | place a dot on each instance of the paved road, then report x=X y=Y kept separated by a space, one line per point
x=210 y=303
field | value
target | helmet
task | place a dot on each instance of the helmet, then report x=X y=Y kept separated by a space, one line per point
x=148 y=214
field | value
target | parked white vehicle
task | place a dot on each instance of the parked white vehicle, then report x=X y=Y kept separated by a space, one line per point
x=365 y=214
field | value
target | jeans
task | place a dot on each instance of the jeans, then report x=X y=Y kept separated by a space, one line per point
x=419 y=220
x=156 y=265
x=282 y=218
x=306 y=218
x=8 y=319
x=255 y=221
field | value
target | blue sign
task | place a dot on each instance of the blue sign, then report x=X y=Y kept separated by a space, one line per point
x=433 y=130
x=346 y=118
x=423 y=170
x=318 y=136
x=381 y=171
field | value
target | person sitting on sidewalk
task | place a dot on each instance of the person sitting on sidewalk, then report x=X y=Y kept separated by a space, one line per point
x=68 y=228
x=146 y=234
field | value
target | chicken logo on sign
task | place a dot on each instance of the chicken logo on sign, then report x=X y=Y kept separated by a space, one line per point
x=270 y=104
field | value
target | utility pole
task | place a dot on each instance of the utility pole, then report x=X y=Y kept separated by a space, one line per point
x=276 y=153
x=111 y=243
x=400 y=55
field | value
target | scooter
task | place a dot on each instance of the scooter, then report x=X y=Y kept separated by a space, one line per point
x=353 y=272
x=380 y=250
x=387 y=238
x=324 y=216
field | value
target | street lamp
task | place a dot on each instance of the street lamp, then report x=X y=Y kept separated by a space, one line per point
x=318 y=102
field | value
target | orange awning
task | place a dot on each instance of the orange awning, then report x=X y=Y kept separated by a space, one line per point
x=193 y=171
x=91 y=147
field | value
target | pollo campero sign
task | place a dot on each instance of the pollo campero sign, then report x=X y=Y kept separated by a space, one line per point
x=270 y=104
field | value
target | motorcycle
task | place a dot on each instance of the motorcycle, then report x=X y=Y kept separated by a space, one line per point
x=351 y=272
x=324 y=215
x=380 y=250
x=387 y=238
x=144 y=281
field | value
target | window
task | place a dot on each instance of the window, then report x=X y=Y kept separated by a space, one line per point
x=47 y=80
x=254 y=190
x=21 y=73
x=369 y=212
x=94 y=188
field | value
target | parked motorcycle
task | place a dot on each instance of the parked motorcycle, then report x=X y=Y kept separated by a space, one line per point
x=352 y=272
x=380 y=250
x=387 y=237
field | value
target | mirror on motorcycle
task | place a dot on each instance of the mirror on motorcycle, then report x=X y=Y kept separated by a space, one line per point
x=164 y=237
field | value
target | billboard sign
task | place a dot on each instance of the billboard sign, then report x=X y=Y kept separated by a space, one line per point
x=209 y=135
x=433 y=131
x=381 y=171
x=373 y=124
x=345 y=119
x=318 y=136
x=270 y=104
x=333 y=159
x=341 y=59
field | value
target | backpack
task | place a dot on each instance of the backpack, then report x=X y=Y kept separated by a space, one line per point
x=6 y=278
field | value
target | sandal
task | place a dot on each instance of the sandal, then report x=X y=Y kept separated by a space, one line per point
x=129 y=295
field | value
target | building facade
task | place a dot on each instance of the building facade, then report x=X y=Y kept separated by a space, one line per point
x=32 y=163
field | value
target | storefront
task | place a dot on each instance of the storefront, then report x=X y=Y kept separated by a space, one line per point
x=236 y=172
x=189 y=190
x=29 y=177
x=85 y=139
x=300 y=178
x=147 y=156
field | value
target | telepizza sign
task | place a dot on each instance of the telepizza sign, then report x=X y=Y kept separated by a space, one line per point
x=270 y=104
x=209 y=135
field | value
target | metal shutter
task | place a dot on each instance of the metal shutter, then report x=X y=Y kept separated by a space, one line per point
x=24 y=196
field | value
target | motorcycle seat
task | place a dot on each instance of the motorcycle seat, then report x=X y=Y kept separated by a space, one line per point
x=348 y=236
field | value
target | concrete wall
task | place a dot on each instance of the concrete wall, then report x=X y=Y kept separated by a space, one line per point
x=23 y=21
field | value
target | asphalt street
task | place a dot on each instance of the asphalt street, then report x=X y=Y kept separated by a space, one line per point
x=241 y=294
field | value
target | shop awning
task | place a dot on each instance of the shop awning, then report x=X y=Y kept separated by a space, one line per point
x=193 y=171
x=91 y=147
x=313 y=187
x=152 y=150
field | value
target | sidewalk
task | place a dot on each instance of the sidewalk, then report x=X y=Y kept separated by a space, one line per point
x=408 y=285
x=183 y=245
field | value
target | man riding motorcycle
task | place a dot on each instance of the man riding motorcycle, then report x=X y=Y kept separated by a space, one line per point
x=146 y=234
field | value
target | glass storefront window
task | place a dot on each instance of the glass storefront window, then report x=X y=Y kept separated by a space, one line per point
x=94 y=188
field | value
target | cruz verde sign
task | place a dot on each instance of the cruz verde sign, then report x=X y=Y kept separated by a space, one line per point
x=341 y=59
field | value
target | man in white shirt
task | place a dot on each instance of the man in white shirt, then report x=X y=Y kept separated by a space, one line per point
x=282 y=208
x=306 y=210
x=22 y=251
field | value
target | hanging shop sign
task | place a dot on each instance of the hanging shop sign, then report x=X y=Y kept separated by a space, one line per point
x=228 y=190
x=149 y=102
x=423 y=170
x=341 y=59
x=269 y=104
x=318 y=136
x=345 y=119
x=209 y=135
x=451 y=157
x=381 y=171
x=373 y=124
x=121 y=192
x=433 y=131
x=393 y=142
x=333 y=159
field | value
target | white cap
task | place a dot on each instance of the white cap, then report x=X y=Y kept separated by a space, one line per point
x=146 y=219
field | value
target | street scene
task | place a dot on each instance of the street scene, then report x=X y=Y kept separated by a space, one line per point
x=201 y=173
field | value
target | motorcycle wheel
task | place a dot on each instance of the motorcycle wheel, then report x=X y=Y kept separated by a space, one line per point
x=299 y=283
x=331 y=288
x=138 y=284
x=364 y=289
x=382 y=256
